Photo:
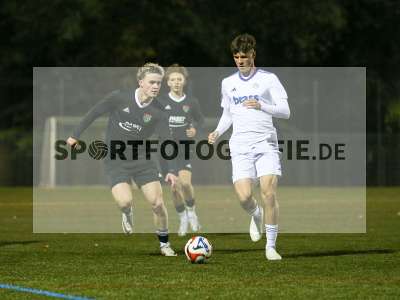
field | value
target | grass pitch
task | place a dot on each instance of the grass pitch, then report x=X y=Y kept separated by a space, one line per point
x=112 y=266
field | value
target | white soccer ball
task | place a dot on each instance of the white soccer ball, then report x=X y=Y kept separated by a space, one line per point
x=198 y=249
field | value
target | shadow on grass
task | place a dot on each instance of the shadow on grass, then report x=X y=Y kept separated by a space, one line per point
x=233 y=251
x=342 y=252
x=179 y=252
x=10 y=243
x=219 y=251
x=311 y=254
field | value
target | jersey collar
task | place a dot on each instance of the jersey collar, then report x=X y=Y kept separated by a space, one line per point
x=176 y=99
x=248 y=77
x=138 y=102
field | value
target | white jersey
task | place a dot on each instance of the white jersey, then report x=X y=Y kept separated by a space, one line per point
x=251 y=126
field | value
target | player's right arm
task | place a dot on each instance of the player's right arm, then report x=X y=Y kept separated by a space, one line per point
x=105 y=105
x=225 y=121
x=223 y=125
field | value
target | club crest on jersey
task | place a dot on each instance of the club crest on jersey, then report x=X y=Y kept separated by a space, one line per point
x=186 y=108
x=238 y=100
x=147 y=117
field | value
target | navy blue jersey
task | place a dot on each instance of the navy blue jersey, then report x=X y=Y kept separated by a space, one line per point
x=182 y=115
x=127 y=121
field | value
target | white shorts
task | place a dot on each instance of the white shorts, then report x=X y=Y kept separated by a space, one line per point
x=254 y=165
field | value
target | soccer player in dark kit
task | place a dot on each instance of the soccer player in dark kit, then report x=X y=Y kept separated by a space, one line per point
x=133 y=118
x=185 y=120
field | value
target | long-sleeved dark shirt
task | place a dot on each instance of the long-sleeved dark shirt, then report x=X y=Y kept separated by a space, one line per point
x=182 y=115
x=127 y=121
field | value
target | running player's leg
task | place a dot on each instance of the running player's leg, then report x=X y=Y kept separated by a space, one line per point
x=123 y=197
x=178 y=200
x=268 y=186
x=178 y=197
x=243 y=188
x=268 y=169
x=179 y=203
x=243 y=172
x=153 y=194
x=185 y=178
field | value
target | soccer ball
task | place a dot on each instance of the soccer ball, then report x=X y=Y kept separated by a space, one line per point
x=198 y=249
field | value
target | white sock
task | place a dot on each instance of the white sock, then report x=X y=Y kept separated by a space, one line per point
x=256 y=213
x=182 y=215
x=271 y=231
x=190 y=210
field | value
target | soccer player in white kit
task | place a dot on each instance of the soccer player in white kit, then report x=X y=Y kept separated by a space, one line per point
x=250 y=99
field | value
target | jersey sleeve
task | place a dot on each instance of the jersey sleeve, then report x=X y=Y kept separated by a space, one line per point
x=278 y=107
x=107 y=104
x=224 y=96
x=225 y=122
x=277 y=91
x=197 y=115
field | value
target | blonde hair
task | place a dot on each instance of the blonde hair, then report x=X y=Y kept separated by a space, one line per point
x=175 y=68
x=149 y=68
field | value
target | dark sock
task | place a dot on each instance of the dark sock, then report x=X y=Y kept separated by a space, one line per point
x=190 y=202
x=249 y=205
x=162 y=235
x=180 y=208
x=126 y=210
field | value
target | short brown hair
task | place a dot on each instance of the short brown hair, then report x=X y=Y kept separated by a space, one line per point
x=175 y=68
x=243 y=43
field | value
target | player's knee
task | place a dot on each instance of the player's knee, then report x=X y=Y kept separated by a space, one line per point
x=267 y=193
x=244 y=196
x=125 y=201
x=247 y=203
x=269 y=198
x=158 y=206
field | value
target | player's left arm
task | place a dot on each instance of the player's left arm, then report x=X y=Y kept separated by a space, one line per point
x=198 y=118
x=279 y=107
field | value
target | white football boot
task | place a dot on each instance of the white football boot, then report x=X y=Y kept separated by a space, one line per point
x=256 y=227
x=166 y=250
x=271 y=254
x=193 y=220
x=127 y=223
x=183 y=225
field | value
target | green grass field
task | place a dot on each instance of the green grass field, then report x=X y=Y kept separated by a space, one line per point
x=112 y=266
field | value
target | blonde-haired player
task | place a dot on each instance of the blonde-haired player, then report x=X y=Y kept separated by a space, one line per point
x=134 y=116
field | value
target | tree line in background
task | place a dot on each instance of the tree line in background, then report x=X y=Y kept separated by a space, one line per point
x=197 y=33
